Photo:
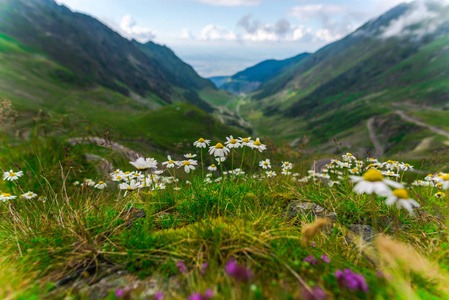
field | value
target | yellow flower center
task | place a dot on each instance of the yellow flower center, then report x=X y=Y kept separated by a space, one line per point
x=12 y=174
x=349 y=154
x=439 y=184
x=116 y=172
x=445 y=177
x=407 y=165
x=186 y=163
x=286 y=163
x=373 y=175
x=370 y=165
x=212 y=165
x=201 y=140
x=100 y=182
x=6 y=195
x=245 y=140
x=265 y=163
x=257 y=143
x=129 y=188
x=389 y=161
x=430 y=175
x=171 y=161
x=233 y=141
x=30 y=194
x=219 y=146
x=127 y=172
x=401 y=194
x=355 y=170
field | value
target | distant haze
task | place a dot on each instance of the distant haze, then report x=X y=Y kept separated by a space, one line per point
x=223 y=37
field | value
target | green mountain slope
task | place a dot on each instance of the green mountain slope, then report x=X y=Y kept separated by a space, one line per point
x=250 y=79
x=92 y=50
x=45 y=92
x=332 y=93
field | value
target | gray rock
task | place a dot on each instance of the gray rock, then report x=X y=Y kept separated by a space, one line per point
x=366 y=232
x=308 y=208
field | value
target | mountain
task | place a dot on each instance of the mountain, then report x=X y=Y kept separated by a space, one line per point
x=98 y=54
x=219 y=80
x=397 y=61
x=250 y=79
x=69 y=68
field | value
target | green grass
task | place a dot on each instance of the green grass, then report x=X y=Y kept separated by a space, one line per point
x=72 y=227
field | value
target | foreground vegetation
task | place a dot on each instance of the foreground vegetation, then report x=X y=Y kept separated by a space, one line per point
x=236 y=231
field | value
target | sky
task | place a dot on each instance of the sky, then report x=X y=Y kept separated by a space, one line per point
x=222 y=37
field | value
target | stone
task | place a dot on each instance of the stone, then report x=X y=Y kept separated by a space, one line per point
x=366 y=232
x=308 y=208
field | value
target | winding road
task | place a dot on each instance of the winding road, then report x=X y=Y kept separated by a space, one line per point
x=422 y=124
x=372 y=135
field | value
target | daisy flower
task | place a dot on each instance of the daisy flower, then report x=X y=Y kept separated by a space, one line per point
x=372 y=181
x=189 y=155
x=218 y=150
x=176 y=188
x=258 y=145
x=220 y=159
x=348 y=157
x=440 y=195
x=131 y=186
x=212 y=168
x=201 y=143
x=444 y=180
x=285 y=172
x=76 y=183
x=6 y=196
x=405 y=167
x=390 y=165
x=232 y=143
x=118 y=177
x=270 y=173
x=354 y=171
x=402 y=199
x=286 y=165
x=390 y=173
x=144 y=164
x=265 y=164
x=100 y=185
x=188 y=165
x=11 y=176
x=170 y=163
x=29 y=195
x=246 y=141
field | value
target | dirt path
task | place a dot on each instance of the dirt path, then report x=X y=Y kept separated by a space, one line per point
x=129 y=153
x=422 y=124
x=379 y=151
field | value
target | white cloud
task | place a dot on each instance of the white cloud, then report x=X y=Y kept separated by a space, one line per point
x=231 y=2
x=419 y=13
x=129 y=29
x=186 y=34
x=217 y=32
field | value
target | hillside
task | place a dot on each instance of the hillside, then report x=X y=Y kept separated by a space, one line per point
x=99 y=55
x=71 y=77
x=333 y=93
x=252 y=78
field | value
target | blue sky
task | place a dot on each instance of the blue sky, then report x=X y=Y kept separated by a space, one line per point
x=221 y=37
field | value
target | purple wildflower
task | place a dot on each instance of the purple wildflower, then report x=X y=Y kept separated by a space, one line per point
x=182 y=267
x=317 y=293
x=325 y=259
x=119 y=293
x=158 y=296
x=353 y=281
x=239 y=273
x=204 y=268
x=198 y=296
x=313 y=244
x=310 y=259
